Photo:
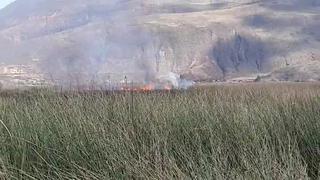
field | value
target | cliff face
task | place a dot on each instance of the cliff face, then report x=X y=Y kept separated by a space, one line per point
x=199 y=40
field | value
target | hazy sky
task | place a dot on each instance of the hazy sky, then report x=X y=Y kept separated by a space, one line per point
x=4 y=3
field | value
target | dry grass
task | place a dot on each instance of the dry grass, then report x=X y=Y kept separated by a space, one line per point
x=224 y=132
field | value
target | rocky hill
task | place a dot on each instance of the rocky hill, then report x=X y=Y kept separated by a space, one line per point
x=200 y=40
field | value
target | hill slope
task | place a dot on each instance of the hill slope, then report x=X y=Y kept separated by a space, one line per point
x=145 y=39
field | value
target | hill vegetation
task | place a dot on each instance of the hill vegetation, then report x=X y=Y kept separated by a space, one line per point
x=200 y=40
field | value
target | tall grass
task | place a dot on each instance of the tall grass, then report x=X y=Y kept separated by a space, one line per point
x=224 y=132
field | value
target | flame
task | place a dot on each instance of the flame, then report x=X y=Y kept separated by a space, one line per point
x=148 y=87
x=167 y=87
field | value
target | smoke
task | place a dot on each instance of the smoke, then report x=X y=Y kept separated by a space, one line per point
x=110 y=47
x=175 y=80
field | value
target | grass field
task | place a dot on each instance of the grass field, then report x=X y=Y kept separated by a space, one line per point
x=220 y=132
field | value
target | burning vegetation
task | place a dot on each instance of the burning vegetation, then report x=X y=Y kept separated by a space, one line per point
x=147 y=87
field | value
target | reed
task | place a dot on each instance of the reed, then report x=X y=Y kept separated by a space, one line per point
x=269 y=131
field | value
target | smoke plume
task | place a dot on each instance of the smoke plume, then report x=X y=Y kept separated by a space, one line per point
x=117 y=47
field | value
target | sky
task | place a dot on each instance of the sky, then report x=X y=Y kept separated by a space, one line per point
x=4 y=3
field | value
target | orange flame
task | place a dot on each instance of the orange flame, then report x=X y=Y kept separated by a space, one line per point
x=167 y=87
x=148 y=87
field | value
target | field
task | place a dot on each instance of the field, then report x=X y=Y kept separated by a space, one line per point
x=269 y=131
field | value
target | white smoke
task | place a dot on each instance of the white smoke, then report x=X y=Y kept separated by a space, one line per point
x=175 y=80
x=114 y=48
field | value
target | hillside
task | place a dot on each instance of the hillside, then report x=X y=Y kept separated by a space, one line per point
x=198 y=40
